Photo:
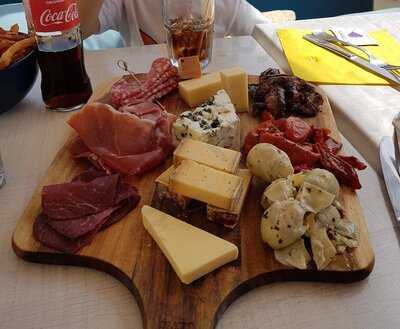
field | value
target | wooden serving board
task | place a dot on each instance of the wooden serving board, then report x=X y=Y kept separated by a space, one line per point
x=127 y=252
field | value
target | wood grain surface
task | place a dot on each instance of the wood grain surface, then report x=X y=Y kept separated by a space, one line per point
x=126 y=251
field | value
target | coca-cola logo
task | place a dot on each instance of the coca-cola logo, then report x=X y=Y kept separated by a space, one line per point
x=49 y=17
x=54 y=15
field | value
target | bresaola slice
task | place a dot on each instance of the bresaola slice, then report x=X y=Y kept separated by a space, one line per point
x=43 y=232
x=71 y=234
x=75 y=228
x=78 y=199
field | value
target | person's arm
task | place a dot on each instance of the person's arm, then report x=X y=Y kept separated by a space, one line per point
x=236 y=17
x=89 y=15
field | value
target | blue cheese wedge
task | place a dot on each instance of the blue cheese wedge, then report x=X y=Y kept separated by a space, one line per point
x=214 y=122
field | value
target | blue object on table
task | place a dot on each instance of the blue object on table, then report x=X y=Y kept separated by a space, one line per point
x=17 y=80
x=14 y=13
x=315 y=8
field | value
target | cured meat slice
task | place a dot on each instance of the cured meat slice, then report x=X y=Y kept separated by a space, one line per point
x=124 y=142
x=50 y=238
x=161 y=79
x=78 y=199
x=70 y=235
x=75 y=228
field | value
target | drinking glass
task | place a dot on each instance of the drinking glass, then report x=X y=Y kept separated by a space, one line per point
x=189 y=25
x=2 y=173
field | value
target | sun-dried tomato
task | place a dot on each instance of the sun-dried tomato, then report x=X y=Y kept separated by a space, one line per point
x=321 y=136
x=343 y=171
x=250 y=141
x=297 y=130
x=353 y=161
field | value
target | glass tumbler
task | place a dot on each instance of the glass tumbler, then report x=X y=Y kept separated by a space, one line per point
x=189 y=26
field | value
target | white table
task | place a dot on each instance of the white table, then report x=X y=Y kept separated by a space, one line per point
x=45 y=296
x=363 y=113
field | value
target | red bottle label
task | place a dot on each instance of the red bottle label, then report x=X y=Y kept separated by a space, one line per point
x=54 y=15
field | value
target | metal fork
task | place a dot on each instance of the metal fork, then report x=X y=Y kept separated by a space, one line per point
x=371 y=58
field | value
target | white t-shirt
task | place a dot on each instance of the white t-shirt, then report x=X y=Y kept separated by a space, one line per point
x=232 y=17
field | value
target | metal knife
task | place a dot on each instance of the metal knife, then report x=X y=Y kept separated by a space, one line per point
x=352 y=58
x=390 y=174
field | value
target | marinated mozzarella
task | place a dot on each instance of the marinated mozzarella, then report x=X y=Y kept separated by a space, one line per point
x=342 y=232
x=322 y=247
x=269 y=163
x=282 y=224
x=323 y=179
x=214 y=122
x=295 y=255
x=279 y=190
x=314 y=198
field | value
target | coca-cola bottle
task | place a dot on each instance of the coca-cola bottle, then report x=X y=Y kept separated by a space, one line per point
x=55 y=24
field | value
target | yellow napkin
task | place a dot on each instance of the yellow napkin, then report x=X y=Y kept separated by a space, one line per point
x=315 y=64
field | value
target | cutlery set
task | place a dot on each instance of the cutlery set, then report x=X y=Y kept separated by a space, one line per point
x=372 y=64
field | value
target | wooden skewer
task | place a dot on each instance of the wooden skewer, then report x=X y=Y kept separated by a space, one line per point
x=124 y=66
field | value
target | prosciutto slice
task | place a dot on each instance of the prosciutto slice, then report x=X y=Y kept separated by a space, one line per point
x=71 y=234
x=130 y=142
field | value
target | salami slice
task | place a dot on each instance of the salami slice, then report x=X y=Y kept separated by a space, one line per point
x=161 y=79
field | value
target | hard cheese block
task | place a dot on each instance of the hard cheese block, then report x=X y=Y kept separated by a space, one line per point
x=230 y=218
x=207 y=154
x=191 y=252
x=174 y=204
x=235 y=82
x=196 y=91
x=206 y=184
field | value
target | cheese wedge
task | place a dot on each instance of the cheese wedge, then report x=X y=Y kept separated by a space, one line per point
x=235 y=81
x=230 y=218
x=191 y=251
x=196 y=91
x=213 y=156
x=206 y=184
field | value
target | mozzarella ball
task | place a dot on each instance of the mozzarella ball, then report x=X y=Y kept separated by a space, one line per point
x=269 y=163
x=283 y=223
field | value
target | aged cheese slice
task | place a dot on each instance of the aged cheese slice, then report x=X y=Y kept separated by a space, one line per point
x=196 y=91
x=230 y=218
x=207 y=154
x=172 y=203
x=191 y=251
x=235 y=82
x=206 y=184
